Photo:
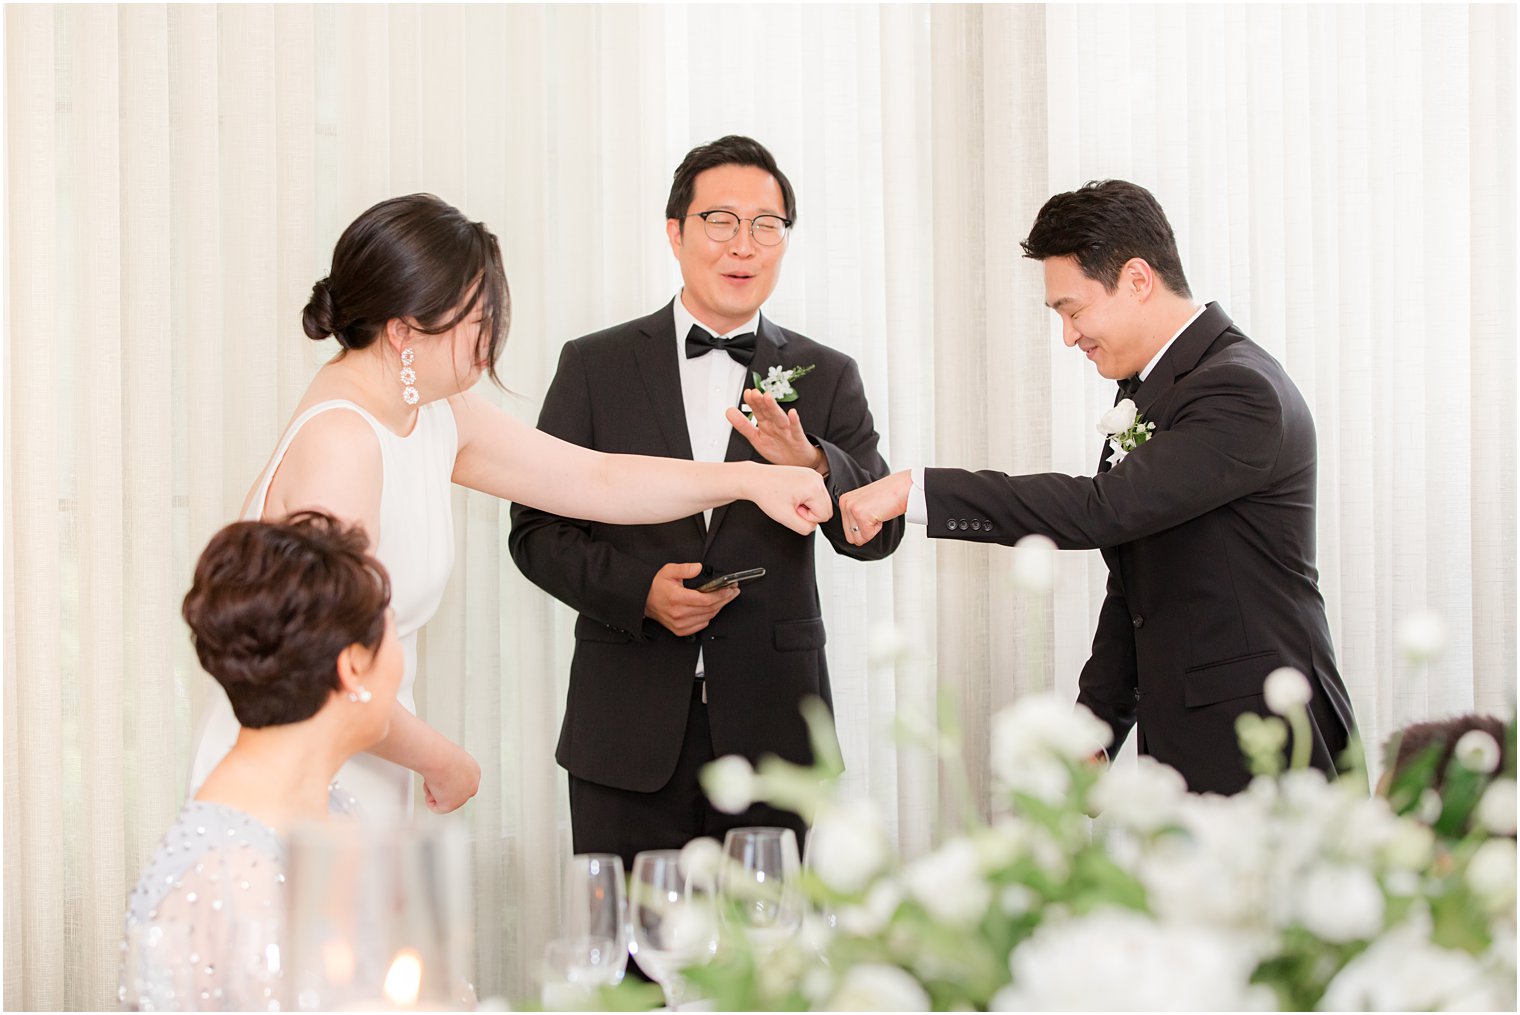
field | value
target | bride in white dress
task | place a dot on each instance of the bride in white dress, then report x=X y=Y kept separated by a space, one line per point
x=418 y=301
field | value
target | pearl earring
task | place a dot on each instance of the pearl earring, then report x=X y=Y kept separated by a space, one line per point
x=408 y=378
x=363 y=696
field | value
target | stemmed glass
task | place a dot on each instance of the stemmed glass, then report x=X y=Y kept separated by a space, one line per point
x=576 y=967
x=594 y=906
x=760 y=884
x=673 y=921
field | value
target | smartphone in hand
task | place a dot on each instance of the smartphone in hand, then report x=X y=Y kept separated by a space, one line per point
x=723 y=581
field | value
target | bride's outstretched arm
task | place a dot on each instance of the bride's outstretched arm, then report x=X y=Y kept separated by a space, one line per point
x=502 y=456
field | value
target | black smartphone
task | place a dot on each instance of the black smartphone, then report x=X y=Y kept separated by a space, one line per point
x=723 y=581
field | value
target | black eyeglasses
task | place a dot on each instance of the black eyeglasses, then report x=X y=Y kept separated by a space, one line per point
x=722 y=226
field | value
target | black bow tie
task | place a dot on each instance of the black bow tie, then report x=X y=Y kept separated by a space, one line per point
x=700 y=342
x=1127 y=387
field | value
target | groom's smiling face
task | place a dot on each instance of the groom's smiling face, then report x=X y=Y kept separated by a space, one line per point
x=1105 y=326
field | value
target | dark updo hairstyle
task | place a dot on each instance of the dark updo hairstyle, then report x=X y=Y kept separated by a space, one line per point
x=733 y=150
x=1103 y=225
x=275 y=603
x=413 y=257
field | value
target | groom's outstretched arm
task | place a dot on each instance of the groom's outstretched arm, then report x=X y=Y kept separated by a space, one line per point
x=1222 y=445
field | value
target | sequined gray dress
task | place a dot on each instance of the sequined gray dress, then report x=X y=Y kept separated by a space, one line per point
x=203 y=925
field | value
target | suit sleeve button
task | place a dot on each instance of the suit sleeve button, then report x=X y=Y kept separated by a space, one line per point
x=963 y=525
x=950 y=524
x=1139 y=621
x=976 y=525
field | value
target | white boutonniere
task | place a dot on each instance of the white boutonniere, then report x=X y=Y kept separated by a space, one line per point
x=778 y=383
x=1124 y=429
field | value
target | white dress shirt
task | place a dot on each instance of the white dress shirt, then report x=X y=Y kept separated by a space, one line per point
x=918 y=503
x=710 y=383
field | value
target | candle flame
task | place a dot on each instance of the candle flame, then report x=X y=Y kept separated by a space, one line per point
x=403 y=983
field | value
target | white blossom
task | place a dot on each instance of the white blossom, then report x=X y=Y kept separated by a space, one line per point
x=1340 y=902
x=1477 y=751
x=1286 y=690
x=886 y=644
x=1034 y=563
x=1421 y=636
x=949 y=884
x=701 y=859
x=848 y=845
x=1404 y=971
x=1496 y=811
x=874 y=986
x=1118 y=419
x=1118 y=960
x=1146 y=796
x=1035 y=736
x=1491 y=871
x=872 y=916
x=1411 y=847
x=730 y=784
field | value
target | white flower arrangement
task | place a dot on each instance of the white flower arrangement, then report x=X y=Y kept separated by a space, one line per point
x=1125 y=430
x=1298 y=893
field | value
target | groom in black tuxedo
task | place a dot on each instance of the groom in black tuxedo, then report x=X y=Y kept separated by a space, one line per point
x=1207 y=527
x=666 y=678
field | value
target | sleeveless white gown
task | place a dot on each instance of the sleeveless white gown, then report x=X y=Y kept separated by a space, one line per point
x=416 y=545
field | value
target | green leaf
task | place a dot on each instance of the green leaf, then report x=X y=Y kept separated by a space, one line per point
x=1458 y=922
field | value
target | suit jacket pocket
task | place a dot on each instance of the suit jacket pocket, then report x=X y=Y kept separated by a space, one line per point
x=800 y=635
x=587 y=629
x=1227 y=679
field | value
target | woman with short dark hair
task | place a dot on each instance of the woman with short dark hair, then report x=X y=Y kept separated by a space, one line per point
x=418 y=302
x=292 y=620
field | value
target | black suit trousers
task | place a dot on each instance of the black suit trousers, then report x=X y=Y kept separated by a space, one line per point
x=605 y=819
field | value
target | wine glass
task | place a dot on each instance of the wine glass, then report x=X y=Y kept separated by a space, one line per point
x=760 y=884
x=594 y=904
x=575 y=967
x=673 y=923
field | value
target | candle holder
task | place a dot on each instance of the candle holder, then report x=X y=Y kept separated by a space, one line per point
x=380 y=917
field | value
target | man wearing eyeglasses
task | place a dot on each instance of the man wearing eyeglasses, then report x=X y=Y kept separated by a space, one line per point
x=666 y=678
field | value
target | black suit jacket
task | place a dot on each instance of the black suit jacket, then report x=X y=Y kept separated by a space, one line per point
x=1209 y=534
x=631 y=679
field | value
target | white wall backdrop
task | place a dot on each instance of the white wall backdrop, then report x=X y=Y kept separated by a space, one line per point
x=1341 y=179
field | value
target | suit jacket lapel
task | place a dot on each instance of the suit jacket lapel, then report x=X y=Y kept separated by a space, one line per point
x=655 y=354
x=1179 y=360
x=769 y=342
x=1183 y=356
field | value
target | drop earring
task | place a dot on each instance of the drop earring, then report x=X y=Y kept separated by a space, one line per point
x=408 y=380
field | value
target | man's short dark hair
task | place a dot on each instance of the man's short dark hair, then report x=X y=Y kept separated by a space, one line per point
x=275 y=603
x=1102 y=226
x=733 y=150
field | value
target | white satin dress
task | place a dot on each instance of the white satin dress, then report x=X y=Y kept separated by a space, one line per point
x=416 y=545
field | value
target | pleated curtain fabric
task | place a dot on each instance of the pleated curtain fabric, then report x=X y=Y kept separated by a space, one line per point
x=1340 y=178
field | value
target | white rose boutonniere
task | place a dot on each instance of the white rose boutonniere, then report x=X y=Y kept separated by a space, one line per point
x=1124 y=429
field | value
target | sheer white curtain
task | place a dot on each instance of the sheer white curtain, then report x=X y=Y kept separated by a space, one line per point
x=1340 y=178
